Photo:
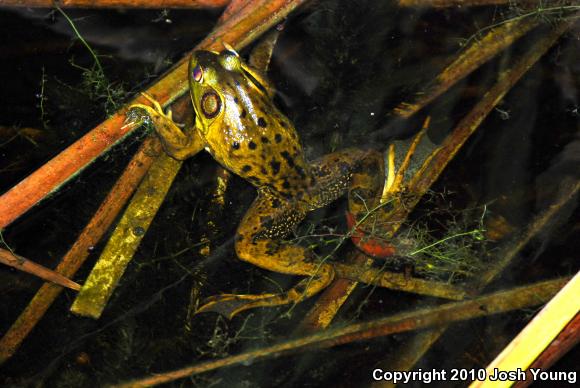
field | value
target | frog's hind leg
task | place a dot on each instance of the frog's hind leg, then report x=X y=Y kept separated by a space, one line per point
x=258 y=241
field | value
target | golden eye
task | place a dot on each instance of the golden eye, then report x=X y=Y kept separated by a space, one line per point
x=210 y=104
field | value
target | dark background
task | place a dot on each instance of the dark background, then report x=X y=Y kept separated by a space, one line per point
x=340 y=67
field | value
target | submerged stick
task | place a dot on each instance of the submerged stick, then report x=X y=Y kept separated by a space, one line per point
x=332 y=298
x=70 y=161
x=471 y=58
x=570 y=190
x=124 y=242
x=358 y=270
x=239 y=31
x=22 y=264
x=75 y=257
x=407 y=356
x=397 y=281
x=562 y=344
x=467 y=126
x=121 y=247
x=57 y=171
x=537 y=334
x=495 y=303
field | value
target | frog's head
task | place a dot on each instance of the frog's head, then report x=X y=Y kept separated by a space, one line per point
x=224 y=90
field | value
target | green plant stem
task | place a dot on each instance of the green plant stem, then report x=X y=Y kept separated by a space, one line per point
x=443 y=240
x=79 y=36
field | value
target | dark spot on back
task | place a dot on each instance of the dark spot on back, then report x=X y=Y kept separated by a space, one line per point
x=283 y=124
x=276 y=203
x=300 y=172
x=244 y=113
x=286 y=184
x=264 y=140
x=263 y=171
x=261 y=122
x=252 y=145
x=246 y=168
x=236 y=100
x=275 y=166
x=236 y=145
x=278 y=138
x=288 y=158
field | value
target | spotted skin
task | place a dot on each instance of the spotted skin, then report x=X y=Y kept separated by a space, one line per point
x=238 y=124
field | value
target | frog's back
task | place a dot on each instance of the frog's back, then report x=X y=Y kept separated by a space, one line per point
x=243 y=129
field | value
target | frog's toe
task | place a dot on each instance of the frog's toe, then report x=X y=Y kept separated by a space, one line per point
x=145 y=112
x=137 y=115
x=229 y=305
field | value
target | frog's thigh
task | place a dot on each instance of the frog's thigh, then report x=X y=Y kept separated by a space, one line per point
x=348 y=169
x=259 y=236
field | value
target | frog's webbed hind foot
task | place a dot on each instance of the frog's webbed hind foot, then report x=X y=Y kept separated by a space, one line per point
x=229 y=305
x=373 y=200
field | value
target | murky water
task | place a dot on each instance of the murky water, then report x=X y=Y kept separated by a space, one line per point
x=340 y=68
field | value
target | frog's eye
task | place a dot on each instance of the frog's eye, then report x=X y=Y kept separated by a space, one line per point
x=197 y=73
x=210 y=104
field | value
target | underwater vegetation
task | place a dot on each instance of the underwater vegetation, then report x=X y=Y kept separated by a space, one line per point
x=474 y=110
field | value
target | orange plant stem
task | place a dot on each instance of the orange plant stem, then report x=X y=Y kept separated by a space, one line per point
x=48 y=178
x=234 y=7
x=115 y=3
x=320 y=316
x=168 y=89
x=239 y=30
x=322 y=313
x=35 y=269
x=495 y=303
x=75 y=257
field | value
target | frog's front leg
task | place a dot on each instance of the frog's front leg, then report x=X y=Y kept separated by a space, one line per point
x=178 y=144
x=258 y=241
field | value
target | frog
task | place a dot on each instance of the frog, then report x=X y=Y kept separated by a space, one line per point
x=238 y=123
